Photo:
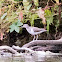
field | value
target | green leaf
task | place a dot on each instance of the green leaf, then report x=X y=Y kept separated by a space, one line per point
x=19 y=24
x=26 y=4
x=32 y=18
x=29 y=6
x=36 y=2
x=56 y=23
x=11 y=30
x=18 y=0
x=48 y=25
x=3 y=16
x=49 y=17
x=49 y=21
x=15 y=26
x=17 y=29
x=61 y=14
x=48 y=13
x=12 y=27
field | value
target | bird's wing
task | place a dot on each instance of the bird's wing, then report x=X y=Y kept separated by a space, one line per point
x=36 y=29
x=28 y=29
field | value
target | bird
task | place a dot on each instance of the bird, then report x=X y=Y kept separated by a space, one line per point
x=34 y=31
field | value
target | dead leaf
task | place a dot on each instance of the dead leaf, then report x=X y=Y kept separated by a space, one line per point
x=21 y=15
x=1 y=36
x=57 y=1
x=41 y=15
x=0 y=12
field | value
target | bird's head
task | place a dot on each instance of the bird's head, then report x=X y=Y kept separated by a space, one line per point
x=25 y=26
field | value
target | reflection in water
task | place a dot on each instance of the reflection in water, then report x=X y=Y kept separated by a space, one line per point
x=28 y=58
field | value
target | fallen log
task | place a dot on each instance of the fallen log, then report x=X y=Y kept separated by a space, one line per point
x=43 y=42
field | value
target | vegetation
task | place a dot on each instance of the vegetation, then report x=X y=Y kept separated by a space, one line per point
x=14 y=13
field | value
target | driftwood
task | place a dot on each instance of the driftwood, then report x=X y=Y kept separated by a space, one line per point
x=14 y=49
x=43 y=42
x=8 y=48
x=40 y=48
x=36 y=44
x=34 y=53
x=21 y=48
x=35 y=47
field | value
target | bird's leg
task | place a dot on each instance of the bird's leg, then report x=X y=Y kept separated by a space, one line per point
x=34 y=38
x=37 y=37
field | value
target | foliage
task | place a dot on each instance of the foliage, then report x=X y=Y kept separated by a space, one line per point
x=8 y=15
x=61 y=14
x=49 y=17
x=15 y=26
x=36 y=2
x=13 y=13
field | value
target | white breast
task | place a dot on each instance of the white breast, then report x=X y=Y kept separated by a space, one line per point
x=30 y=31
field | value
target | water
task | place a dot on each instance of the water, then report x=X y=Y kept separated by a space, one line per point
x=29 y=58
